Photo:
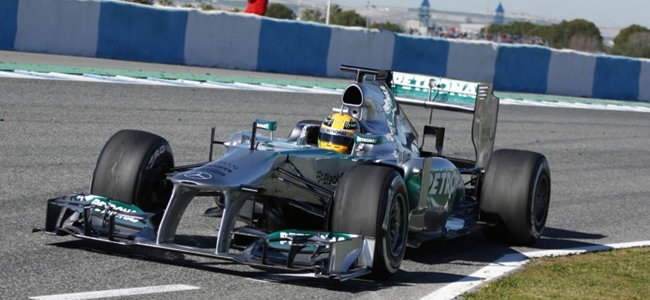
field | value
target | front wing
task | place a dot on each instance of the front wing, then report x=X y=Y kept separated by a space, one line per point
x=326 y=254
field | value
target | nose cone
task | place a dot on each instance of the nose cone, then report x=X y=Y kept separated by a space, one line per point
x=194 y=177
x=239 y=167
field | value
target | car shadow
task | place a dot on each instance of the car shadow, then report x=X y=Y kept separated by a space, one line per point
x=555 y=238
x=472 y=251
x=475 y=248
x=153 y=255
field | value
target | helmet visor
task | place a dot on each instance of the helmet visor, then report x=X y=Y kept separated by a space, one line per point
x=338 y=140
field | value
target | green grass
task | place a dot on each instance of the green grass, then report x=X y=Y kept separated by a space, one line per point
x=617 y=274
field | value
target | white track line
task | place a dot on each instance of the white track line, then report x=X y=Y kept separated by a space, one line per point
x=111 y=79
x=14 y=75
x=511 y=262
x=119 y=293
x=622 y=107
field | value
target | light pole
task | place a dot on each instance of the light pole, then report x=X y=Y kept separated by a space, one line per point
x=327 y=14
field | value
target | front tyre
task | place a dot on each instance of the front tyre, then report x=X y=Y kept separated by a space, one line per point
x=131 y=168
x=515 y=195
x=372 y=201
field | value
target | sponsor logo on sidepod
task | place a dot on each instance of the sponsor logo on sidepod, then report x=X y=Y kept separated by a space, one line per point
x=444 y=183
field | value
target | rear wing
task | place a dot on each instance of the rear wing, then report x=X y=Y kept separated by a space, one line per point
x=453 y=95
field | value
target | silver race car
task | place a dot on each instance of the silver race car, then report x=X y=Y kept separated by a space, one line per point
x=341 y=198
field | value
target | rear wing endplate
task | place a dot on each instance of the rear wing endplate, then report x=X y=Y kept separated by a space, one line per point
x=453 y=95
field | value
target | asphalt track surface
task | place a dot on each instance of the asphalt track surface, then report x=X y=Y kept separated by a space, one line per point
x=52 y=131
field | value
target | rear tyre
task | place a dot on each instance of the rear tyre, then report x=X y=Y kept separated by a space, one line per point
x=131 y=168
x=372 y=201
x=515 y=195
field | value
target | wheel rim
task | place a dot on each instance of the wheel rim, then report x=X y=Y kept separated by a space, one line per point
x=154 y=193
x=396 y=225
x=541 y=200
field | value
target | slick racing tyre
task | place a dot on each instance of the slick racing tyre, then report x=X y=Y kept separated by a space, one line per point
x=131 y=168
x=515 y=195
x=372 y=201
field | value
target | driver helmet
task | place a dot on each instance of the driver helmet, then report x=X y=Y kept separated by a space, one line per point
x=337 y=133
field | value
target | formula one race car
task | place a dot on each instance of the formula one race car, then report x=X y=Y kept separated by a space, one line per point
x=300 y=204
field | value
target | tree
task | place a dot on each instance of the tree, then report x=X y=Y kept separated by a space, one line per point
x=578 y=34
x=388 y=26
x=166 y=2
x=584 y=43
x=312 y=15
x=625 y=33
x=636 y=45
x=581 y=27
x=346 y=18
x=514 y=28
x=562 y=35
x=280 y=11
x=207 y=7
x=544 y=32
x=334 y=10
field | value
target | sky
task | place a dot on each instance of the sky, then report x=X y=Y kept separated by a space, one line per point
x=603 y=13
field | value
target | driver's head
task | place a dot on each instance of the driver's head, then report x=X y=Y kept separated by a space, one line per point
x=337 y=132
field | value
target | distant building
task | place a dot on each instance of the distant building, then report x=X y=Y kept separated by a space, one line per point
x=499 y=16
x=424 y=13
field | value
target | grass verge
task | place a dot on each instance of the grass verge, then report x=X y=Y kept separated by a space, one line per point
x=617 y=274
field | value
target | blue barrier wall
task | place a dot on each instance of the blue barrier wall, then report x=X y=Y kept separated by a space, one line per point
x=8 y=20
x=128 y=31
x=420 y=55
x=293 y=47
x=137 y=32
x=616 y=77
x=522 y=68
